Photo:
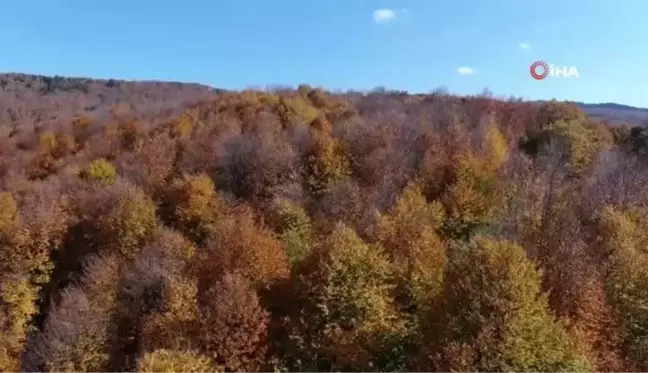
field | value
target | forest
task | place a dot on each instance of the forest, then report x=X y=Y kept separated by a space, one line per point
x=158 y=229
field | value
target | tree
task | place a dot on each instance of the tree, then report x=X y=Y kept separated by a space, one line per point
x=129 y=223
x=144 y=292
x=325 y=164
x=348 y=319
x=624 y=240
x=100 y=171
x=193 y=206
x=175 y=361
x=238 y=244
x=27 y=240
x=8 y=213
x=494 y=317
x=579 y=141
x=174 y=325
x=233 y=325
x=408 y=232
x=17 y=306
x=295 y=230
x=470 y=200
x=79 y=329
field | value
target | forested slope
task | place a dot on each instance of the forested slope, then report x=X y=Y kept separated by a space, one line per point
x=28 y=101
x=301 y=230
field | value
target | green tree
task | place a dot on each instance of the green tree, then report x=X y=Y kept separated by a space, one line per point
x=577 y=141
x=295 y=230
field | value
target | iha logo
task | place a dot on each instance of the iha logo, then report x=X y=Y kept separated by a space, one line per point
x=540 y=70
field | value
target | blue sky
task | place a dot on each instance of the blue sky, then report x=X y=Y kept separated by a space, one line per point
x=415 y=45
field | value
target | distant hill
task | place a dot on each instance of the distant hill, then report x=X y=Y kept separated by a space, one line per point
x=616 y=113
x=36 y=100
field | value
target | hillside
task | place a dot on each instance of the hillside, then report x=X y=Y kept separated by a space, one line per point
x=33 y=100
x=163 y=227
x=616 y=114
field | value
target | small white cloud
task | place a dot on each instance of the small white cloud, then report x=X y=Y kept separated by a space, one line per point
x=525 y=46
x=464 y=70
x=384 y=15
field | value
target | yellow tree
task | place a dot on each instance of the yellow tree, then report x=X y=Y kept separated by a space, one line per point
x=326 y=163
x=100 y=171
x=175 y=361
x=128 y=224
x=624 y=239
x=470 y=201
x=348 y=318
x=174 y=325
x=26 y=246
x=408 y=233
x=194 y=206
x=495 y=318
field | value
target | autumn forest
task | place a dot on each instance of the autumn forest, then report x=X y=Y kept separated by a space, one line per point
x=162 y=227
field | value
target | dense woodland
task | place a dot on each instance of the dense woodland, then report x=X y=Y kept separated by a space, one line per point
x=299 y=230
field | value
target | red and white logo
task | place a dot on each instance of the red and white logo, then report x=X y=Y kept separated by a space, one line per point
x=540 y=70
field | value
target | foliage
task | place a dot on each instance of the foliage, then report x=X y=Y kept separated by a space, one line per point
x=627 y=277
x=129 y=223
x=346 y=291
x=195 y=206
x=8 y=213
x=174 y=324
x=173 y=227
x=233 y=325
x=101 y=171
x=469 y=200
x=174 y=361
x=408 y=232
x=237 y=243
x=325 y=164
x=506 y=327
x=77 y=332
x=295 y=229
x=578 y=142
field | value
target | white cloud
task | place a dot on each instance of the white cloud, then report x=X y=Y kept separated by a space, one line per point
x=525 y=46
x=384 y=15
x=464 y=70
